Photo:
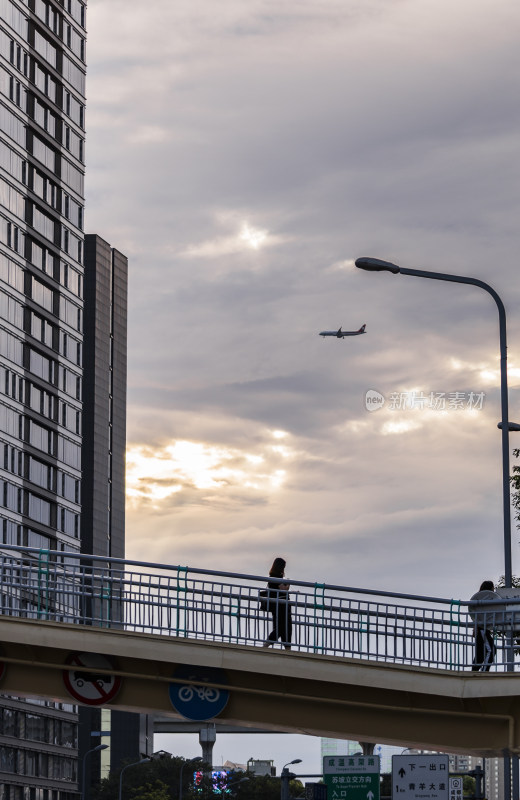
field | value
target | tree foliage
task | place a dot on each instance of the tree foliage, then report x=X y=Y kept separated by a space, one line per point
x=515 y=484
x=159 y=780
x=156 y=791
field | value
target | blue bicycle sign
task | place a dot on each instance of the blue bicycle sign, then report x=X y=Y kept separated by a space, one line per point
x=198 y=699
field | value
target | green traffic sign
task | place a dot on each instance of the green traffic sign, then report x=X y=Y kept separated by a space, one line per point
x=352 y=777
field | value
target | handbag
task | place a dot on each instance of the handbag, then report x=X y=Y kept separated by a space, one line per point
x=263 y=598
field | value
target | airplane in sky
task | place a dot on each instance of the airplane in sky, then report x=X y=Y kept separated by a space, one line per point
x=339 y=334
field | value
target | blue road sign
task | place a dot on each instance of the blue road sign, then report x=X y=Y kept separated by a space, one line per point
x=198 y=701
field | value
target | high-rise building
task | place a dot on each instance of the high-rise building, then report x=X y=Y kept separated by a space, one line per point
x=62 y=364
x=42 y=103
x=103 y=482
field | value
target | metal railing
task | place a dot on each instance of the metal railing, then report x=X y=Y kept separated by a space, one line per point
x=225 y=607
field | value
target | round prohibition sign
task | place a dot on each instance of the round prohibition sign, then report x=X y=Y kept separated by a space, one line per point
x=91 y=686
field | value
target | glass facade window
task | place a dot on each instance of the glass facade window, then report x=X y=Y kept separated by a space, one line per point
x=41 y=257
x=8 y=760
x=44 y=153
x=11 y=199
x=40 y=365
x=12 y=125
x=14 y=18
x=41 y=438
x=9 y=720
x=44 y=224
x=69 y=452
x=73 y=75
x=42 y=294
x=72 y=176
x=12 y=162
x=70 y=313
x=11 y=273
x=45 y=82
x=71 y=279
x=44 y=117
x=74 y=109
x=40 y=473
x=77 y=10
x=11 y=310
x=9 y=420
x=75 y=41
x=44 y=188
x=11 y=347
x=39 y=509
x=45 y=48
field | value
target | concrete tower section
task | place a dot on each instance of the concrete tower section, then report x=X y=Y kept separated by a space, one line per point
x=104 y=400
x=103 y=482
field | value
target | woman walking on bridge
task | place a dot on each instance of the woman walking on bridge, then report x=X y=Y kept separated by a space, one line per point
x=484 y=644
x=278 y=595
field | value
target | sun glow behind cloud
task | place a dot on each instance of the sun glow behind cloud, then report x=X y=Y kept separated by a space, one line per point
x=154 y=475
x=253 y=238
x=241 y=236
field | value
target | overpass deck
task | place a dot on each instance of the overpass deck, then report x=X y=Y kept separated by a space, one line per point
x=365 y=665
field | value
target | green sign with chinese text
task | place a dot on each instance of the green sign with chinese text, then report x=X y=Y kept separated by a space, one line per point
x=352 y=777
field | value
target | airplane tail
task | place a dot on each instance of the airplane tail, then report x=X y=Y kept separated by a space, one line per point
x=362 y=329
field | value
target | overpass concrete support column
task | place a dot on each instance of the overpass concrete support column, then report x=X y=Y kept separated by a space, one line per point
x=367 y=748
x=207 y=739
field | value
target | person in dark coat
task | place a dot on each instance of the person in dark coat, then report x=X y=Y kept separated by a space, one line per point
x=279 y=606
x=484 y=644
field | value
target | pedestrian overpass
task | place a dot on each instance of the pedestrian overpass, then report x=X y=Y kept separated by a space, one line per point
x=364 y=665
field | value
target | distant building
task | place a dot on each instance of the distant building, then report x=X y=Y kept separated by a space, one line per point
x=261 y=767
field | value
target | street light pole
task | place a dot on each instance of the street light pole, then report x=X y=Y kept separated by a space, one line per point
x=285 y=777
x=377 y=265
x=134 y=764
x=189 y=761
x=83 y=767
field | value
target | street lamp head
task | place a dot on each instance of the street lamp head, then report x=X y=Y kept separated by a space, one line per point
x=294 y=761
x=376 y=265
x=100 y=747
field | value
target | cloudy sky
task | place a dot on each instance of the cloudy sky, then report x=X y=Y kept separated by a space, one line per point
x=243 y=154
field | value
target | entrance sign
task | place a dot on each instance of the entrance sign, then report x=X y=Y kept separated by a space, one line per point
x=92 y=687
x=420 y=777
x=198 y=701
x=352 y=777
